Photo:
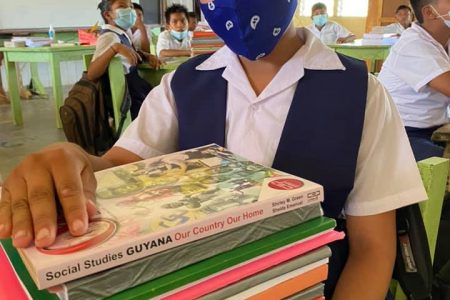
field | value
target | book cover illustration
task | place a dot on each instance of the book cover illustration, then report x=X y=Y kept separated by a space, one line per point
x=157 y=204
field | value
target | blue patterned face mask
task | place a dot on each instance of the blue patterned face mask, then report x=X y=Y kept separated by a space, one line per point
x=320 y=20
x=125 y=18
x=251 y=28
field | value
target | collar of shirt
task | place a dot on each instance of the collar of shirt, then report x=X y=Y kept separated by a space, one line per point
x=313 y=55
x=419 y=30
x=117 y=30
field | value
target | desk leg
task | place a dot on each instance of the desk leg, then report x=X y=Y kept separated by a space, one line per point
x=38 y=87
x=57 y=88
x=14 y=94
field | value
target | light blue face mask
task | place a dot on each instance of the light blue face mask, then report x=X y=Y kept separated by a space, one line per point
x=447 y=22
x=320 y=20
x=179 y=35
x=125 y=18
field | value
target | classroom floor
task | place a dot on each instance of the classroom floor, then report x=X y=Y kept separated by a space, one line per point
x=38 y=131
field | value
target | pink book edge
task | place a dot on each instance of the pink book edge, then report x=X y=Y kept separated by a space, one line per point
x=231 y=276
x=10 y=285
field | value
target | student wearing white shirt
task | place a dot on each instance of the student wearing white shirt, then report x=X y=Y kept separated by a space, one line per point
x=328 y=32
x=139 y=32
x=417 y=75
x=403 y=15
x=175 y=41
x=258 y=80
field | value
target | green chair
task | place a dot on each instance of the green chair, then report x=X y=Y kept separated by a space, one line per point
x=434 y=173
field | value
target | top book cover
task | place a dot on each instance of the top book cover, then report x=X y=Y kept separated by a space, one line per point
x=163 y=202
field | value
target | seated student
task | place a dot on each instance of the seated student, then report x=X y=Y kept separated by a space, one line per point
x=139 y=32
x=175 y=41
x=403 y=15
x=119 y=17
x=193 y=21
x=264 y=90
x=328 y=32
x=417 y=75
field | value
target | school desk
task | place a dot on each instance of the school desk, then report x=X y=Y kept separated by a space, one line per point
x=51 y=55
x=370 y=53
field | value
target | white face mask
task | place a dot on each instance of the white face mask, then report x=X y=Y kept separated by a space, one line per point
x=447 y=22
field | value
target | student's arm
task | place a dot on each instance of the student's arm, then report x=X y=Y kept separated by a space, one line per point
x=343 y=34
x=174 y=53
x=98 y=67
x=28 y=207
x=347 y=39
x=145 y=42
x=368 y=270
x=441 y=83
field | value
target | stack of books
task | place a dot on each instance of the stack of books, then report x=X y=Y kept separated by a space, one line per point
x=205 y=42
x=33 y=42
x=198 y=224
x=374 y=38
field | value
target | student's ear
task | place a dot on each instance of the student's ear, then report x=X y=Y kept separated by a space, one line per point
x=428 y=13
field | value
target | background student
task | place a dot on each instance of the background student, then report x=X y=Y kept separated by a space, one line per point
x=404 y=16
x=119 y=16
x=417 y=75
x=193 y=21
x=175 y=41
x=328 y=32
x=139 y=32
x=267 y=91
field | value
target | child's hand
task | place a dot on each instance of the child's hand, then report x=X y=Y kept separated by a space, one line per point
x=131 y=55
x=154 y=62
x=140 y=25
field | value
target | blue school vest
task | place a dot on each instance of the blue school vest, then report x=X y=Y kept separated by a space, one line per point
x=321 y=136
x=137 y=87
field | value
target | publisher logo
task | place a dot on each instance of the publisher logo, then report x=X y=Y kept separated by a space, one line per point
x=286 y=184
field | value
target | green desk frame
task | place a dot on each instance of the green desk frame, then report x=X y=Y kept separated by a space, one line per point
x=50 y=55
x=357 y=50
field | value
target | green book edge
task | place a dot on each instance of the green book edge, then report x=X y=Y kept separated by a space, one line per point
x=23 y=274
x=225 y=260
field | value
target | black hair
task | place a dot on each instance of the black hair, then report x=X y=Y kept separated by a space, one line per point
x=138 y=6
x=176 y=8
x=318 y=5
x=104 y=6
x=192 y=14
x=402 y=7
x=417 y=6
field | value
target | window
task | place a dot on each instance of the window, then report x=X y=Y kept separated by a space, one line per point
x=341 y=8
x=306 y=5
x=352 y=8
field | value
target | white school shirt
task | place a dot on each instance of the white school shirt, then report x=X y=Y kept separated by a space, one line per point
x=330 y=32
x=394 y=28
x=106 y=40
x=415 y=60
x=167 y=42
x=136 y=37
x=386 y=174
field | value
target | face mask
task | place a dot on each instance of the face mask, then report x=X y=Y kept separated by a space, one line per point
x=320 y=20
x=125 y=18
x=447 y=22
x=179 y=35
x=250 y=28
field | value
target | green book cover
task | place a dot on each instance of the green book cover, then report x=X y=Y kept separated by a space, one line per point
x=226 y=260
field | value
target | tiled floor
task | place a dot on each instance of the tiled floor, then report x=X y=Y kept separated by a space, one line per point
x=38 y=131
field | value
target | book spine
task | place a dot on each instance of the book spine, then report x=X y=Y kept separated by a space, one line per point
x=81 y=266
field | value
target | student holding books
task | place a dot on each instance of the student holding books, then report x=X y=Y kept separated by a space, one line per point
x=175 y=41
x=327 y=31
x=264 y=89
x=417 y=75
x=113 y=41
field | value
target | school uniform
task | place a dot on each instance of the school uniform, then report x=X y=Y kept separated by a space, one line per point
x=137 y=87
x=332 y=138
x=394 y=28
x=136 y=37
x=415 y=60
x=330 y=32
x=167 y=42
